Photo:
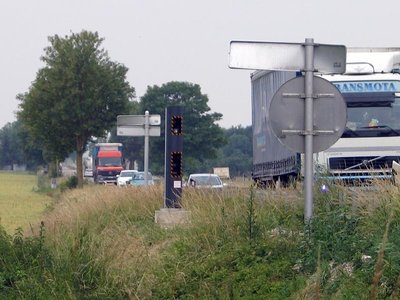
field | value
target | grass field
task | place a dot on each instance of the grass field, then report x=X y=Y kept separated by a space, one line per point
x=101 y=242
x=20 y=205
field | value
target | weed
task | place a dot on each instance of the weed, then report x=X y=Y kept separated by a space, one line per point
x=252 y=228
x=379 y=262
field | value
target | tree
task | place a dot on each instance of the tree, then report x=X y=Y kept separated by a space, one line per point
x=32 y=154
x=9 y=146
x=16 y=147
x=202 y=136
x=76 y=95
x=237 y=153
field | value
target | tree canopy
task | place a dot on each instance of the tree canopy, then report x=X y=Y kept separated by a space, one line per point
x=11 y=152
x=202 y=136
x=237 y=153
x=76 y=95
x=16 y=148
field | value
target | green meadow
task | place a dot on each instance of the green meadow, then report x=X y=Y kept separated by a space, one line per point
x=20 y=204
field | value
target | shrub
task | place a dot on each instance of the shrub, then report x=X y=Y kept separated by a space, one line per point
x=23 y=260
x=70 y=183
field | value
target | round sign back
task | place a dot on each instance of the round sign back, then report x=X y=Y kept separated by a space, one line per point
x=287 y=114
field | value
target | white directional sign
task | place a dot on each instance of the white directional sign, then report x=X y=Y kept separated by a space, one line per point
x=140 y=125
x=127 y=120
x=137 y=131
x=286 y=57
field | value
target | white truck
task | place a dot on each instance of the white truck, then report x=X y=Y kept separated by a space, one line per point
x=371 y=141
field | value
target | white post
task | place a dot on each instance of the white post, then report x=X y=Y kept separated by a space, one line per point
x=146 y=146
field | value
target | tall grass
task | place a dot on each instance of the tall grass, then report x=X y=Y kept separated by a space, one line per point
x=106 y=236
x=101 y=242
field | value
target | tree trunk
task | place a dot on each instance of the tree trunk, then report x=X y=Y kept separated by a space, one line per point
x=80 y=147
x=52 y=170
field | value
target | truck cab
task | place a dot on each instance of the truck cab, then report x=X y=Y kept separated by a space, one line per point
x=107 y=162
x=371 y=140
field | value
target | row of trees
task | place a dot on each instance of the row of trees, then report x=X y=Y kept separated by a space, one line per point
x=16 y=148
x=76 y=97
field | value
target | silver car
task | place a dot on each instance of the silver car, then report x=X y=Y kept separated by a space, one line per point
x=205 y=180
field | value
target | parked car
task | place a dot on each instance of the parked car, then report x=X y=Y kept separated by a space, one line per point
x=138 y=179
x=205 y=180
x=125 y=177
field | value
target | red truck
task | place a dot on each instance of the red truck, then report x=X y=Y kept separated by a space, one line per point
x=107 y=162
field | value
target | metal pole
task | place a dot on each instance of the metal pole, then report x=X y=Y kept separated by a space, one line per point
x=308 y=122
x=146 y=146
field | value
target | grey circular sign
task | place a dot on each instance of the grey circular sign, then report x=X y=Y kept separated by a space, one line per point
x=287 y=114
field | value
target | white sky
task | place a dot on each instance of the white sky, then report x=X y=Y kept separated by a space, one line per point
x=183 y=40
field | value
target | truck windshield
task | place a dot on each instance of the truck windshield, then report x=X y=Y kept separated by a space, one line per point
x=110 y=161
x=372 y=115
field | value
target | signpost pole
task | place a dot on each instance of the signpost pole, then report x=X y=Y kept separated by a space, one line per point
x=308 y=146
x=146 y=146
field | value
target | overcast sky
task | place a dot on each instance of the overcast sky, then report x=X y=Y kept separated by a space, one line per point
x=183 y=40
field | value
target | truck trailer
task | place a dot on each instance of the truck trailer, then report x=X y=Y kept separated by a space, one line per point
x=370 y=143
x=272 y=160
x=107 y=162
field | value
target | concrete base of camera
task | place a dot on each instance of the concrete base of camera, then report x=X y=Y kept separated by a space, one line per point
x=170 y=217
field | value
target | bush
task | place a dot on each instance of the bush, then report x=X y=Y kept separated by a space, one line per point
x=23 y=260
x=70 y=183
